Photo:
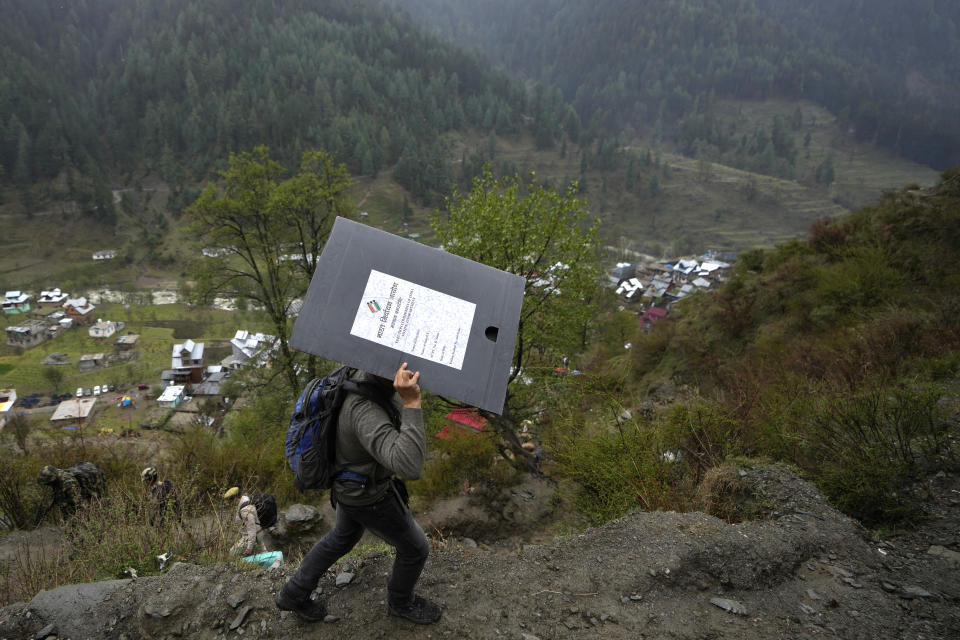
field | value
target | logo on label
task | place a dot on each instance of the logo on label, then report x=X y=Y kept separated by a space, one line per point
x=373 y=306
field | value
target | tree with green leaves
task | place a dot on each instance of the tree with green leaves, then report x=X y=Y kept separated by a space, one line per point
x=269 y=233
x=550 y=240
x=54 y=375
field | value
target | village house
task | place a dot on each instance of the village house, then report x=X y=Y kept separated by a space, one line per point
x=172 y=396
x=80 y=310
x=16 y=302
x=104 y=328
x=249 y=348
x=651 y=316
x=187 y=362
x=27 y=334
x=74 y=410
x=128 y=342
x=90 y=361
x=61 y=319
x=8 y=398
x=622 y=271
x=629 y=289
x=106 y=254
x=52 y=299
x=213 y=380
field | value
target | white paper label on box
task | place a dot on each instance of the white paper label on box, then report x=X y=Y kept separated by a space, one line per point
x=414 y=319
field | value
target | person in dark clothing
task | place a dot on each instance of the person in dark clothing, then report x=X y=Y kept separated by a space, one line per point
x=372 y=448
x=73 y=487
x=164 y=495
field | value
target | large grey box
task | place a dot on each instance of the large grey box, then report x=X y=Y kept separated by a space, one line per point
x=378 y=300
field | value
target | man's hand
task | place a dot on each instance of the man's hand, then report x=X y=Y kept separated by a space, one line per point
x=405 y=384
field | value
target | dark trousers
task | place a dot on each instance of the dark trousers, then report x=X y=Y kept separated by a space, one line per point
x=389 y=520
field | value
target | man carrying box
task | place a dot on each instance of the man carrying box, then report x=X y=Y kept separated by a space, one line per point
x=373 y=446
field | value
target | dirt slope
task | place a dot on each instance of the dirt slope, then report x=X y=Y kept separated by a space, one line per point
x=804 y=570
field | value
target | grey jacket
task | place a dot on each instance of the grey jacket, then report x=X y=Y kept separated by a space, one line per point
x=369 y=444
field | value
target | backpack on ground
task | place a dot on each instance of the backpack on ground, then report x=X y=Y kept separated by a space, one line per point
x=311 y=436
x=266 y=506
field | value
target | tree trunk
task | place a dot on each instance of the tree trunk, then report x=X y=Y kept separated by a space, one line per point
x=505 y=427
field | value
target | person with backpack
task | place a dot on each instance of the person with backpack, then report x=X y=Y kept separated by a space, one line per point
x=255 y=513
x=379 y=435
x=164 y=495
x=73 y=487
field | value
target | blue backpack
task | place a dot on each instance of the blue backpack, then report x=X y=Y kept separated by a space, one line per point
x=312 y=434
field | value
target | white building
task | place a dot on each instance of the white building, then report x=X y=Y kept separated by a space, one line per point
x=172 y=396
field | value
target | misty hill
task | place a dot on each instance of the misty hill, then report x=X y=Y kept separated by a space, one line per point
x=175 y=86
x=889 y=67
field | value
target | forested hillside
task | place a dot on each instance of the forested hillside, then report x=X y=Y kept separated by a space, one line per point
x=888 y=67
x=175 y=85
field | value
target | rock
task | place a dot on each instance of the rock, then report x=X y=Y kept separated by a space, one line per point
x=952 y=558
x=853 y=583
x=156 y=611
x=729 y=605
x=301 y=514
x=234 y=600
x=886 y=586
x=528 y=636
x=344 y=579
x=238 y=620
x=838 y=572
x=48 y=630
x=470 y=542
x=909 y=593
x=813 y=595
x=329 y=619
x=807 y=609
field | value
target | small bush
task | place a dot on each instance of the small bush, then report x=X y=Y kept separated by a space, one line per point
x=865 y=450
x=22 y=504
x=620 y=468
x=705 y=435
x=726 y=495
x=463 y=460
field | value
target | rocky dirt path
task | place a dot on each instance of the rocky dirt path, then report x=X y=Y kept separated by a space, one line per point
x=803 y=571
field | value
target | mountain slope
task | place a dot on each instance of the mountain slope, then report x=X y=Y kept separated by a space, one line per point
x=176 y=85
x=889 y=66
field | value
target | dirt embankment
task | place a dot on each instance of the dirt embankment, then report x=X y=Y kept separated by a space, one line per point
x=802 y=570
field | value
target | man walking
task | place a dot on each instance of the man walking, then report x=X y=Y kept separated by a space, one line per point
x=375 y=442
x=253 y=535
x=164 y=495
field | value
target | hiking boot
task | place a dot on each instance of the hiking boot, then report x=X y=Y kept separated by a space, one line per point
x=421 y=611
x=312 y=610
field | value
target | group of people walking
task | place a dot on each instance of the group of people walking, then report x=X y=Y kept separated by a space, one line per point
x=377 y=440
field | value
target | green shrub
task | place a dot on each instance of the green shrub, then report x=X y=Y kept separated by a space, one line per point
x=617 y=468
x=705 y=435
x=865 y=450
x=463 y=460
x=22 y=503
x=113 y=534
